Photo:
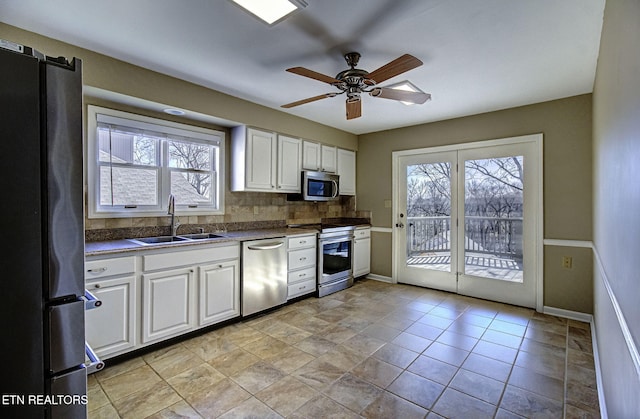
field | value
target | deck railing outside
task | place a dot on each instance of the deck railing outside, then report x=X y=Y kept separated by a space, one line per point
x=501 y=237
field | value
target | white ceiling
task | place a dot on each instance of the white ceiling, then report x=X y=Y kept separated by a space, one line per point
x=478 y=56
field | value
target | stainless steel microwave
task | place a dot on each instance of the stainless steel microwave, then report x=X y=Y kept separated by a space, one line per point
x=320 y=186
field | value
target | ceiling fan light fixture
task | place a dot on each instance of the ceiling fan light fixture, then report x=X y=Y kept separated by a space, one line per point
x=271 y=11
x=406 y=86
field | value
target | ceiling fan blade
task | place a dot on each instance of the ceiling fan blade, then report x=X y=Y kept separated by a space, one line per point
x=307 y=100
x=354 y=108
x=398 y=66
x=301 y=71
x=402 y=95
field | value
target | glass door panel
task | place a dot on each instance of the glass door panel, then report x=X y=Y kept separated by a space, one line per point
x=493 y=217
x=425 y=230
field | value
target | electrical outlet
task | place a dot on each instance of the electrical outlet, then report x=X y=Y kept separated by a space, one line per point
x=567 y=262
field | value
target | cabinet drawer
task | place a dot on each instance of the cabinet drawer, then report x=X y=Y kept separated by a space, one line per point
x=108 y=267
x=302 y=288
x=189 y=257
x=301 y=258
x=302 y=275
x=301 y=242
x=362 y=233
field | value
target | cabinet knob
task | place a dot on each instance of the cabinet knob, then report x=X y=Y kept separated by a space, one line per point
x=190 y=270
x=220 y=266
x=302 y=275
x=96 y=286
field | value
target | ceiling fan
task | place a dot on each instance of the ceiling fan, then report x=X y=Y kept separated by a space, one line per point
x=355 y=81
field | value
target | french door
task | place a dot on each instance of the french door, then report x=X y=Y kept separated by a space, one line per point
x=468 y=219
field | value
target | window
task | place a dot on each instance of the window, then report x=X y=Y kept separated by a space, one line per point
x=136 y=162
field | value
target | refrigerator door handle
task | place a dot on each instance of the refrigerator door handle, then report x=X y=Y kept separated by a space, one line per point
x=94 y=364
x=90 y=300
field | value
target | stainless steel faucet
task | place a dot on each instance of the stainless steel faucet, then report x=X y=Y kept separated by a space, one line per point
x=172 y=212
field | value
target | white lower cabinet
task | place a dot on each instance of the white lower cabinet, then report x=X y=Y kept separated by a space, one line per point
x=362 y=252
x=219 y=288
x=148 y=296
x=167 y=303
x=301 y=265
x=110 y=328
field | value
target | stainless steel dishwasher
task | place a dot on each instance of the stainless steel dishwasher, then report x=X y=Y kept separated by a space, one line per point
x=264 y=274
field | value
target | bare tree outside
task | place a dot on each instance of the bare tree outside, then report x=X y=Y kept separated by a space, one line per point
x=493 y=208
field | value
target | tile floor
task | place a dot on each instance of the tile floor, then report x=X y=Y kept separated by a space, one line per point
x=375 y=350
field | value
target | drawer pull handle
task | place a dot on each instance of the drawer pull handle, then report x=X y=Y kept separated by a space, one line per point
x=302 y=275
x=303 y=287
x=303 y=241
x=303 y=258
x=97 y=270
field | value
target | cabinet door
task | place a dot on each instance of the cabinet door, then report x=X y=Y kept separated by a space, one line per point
x=347 y=171
x=289 y=164
x=261 y=160
x=219 y=286
x=110 y=328
x=362 y=257
x=310 y=156
x=328 y=159
x=167 y=303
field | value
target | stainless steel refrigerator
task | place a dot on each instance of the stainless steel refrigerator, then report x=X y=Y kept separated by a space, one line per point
x=41 y=212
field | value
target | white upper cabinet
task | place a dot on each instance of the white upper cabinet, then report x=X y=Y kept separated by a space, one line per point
x=254 y=154
x=328 y=159
x=289 y=164
x=310 y=156
x=347 y=171
x=264 y=161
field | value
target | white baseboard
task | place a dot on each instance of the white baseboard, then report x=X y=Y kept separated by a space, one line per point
x=381 y=278
x=596 y=361
x=568 y=314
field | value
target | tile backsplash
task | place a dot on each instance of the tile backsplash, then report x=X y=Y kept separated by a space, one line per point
x=243 y=210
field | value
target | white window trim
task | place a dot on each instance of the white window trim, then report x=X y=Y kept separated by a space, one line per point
x=151 y=124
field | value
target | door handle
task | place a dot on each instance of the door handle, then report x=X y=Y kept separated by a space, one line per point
x=399 y=225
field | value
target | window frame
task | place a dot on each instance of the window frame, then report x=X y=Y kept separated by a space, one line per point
x=172 y=131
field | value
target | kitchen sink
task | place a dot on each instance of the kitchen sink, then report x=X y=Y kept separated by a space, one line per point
x=159 y=240
x=201 y=236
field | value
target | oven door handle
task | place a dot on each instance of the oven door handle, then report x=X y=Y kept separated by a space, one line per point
x=333 y=240
x=268 y=246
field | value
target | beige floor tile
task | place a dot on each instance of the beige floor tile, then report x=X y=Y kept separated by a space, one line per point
x=489 y=367
x=478 y=386
x=257 y=376
x=434 y=370
x=315 y=345
x=290 y=359
x=233 y=361
x=218 y=399
x=377 y=372
x=104 y=412
x=337 y=333
x=111 y=371
x=95 y=395
x=389 y=405
x=285 y=332
x=547 y=364
x=286 y=395
x=180 y=410
x=457 y=340
x=552 y=388
x=195 y=379
x=416 y=389
x=343 y=357
x=353 y=392
x=265 y=347
x=454 y=404
x=251 y=408
x=364 y=344
x=323 y=407
x=395 y=355
x=412 y=342
x=530 y=404
x=146 y=402
x=318 y=374
x=209 y=348
x=175 y=362
x=126 y=383
x=495 y=351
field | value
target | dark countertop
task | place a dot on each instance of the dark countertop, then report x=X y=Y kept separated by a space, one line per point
x=125 y=245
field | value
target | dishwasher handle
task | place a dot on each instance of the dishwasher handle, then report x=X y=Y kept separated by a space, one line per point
x=266 y=246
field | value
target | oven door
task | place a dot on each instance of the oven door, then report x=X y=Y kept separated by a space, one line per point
x=335 y=258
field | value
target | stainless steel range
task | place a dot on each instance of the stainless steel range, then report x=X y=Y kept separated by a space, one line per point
x=335 y=258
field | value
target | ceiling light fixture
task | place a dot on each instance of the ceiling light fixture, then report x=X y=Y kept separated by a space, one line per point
x=407 y=86
x=271 y=11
